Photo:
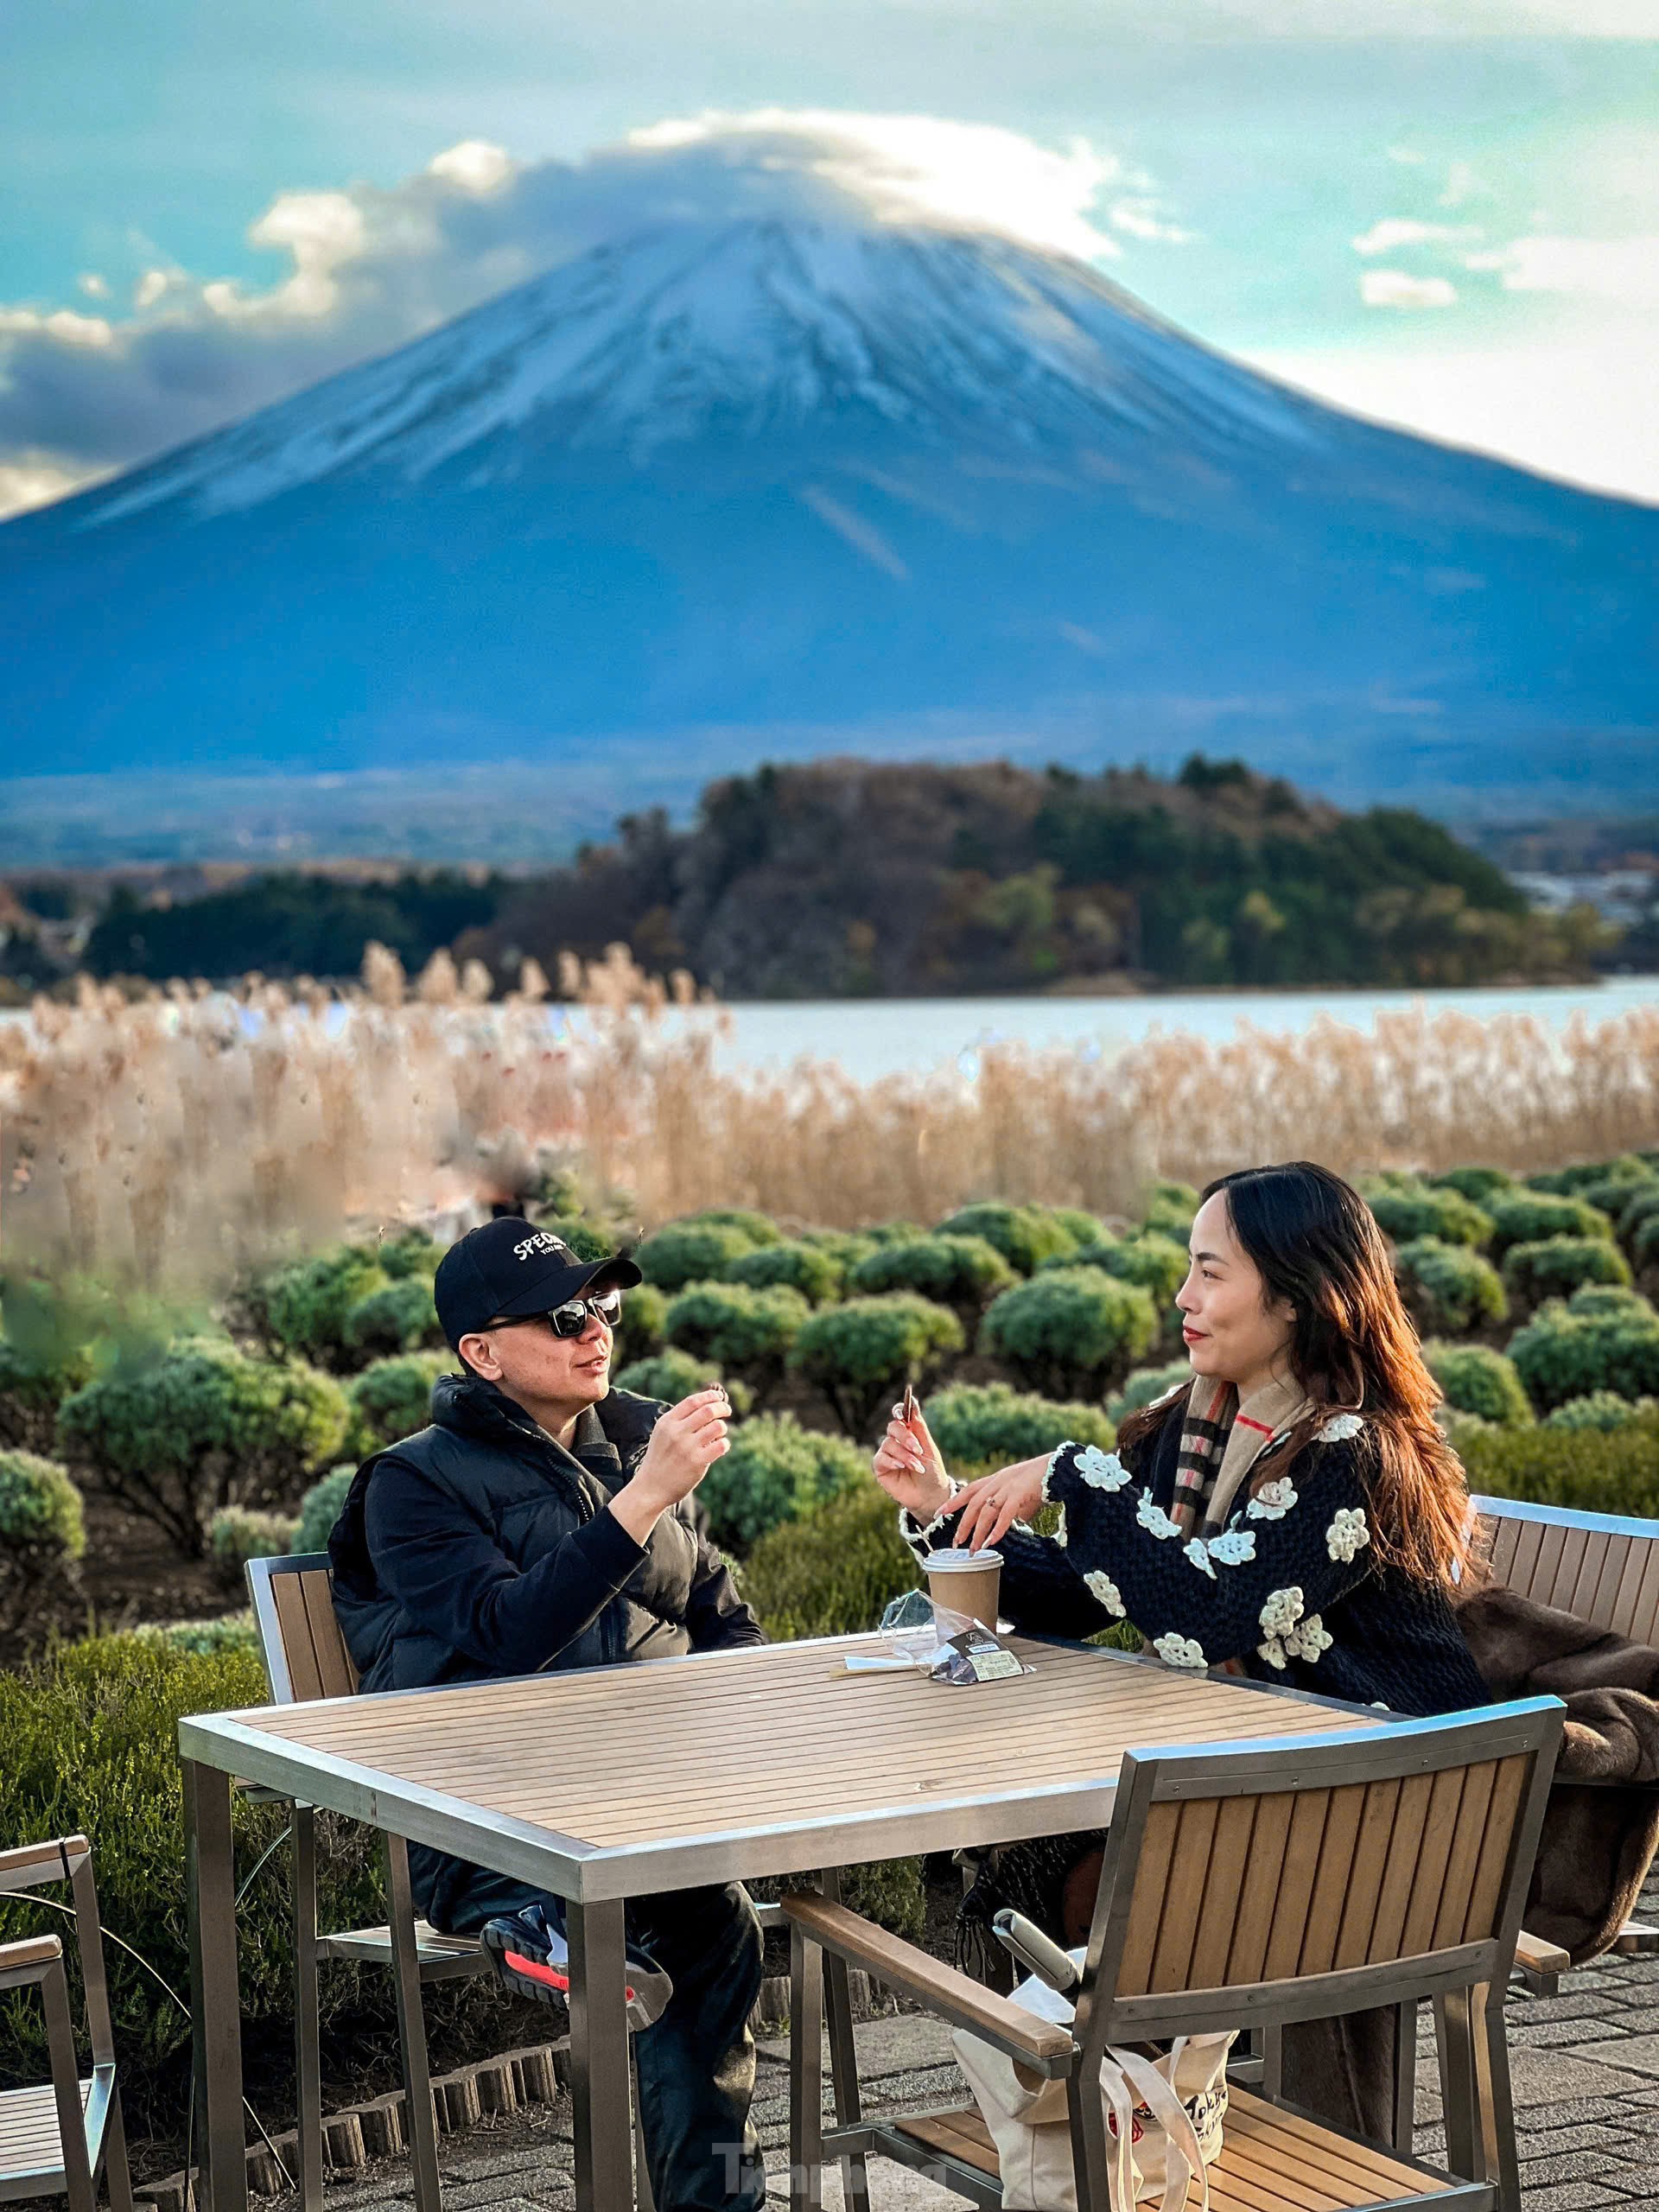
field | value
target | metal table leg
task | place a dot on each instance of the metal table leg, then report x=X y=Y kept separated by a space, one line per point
x=215 y=2008
x=307 y=2060
x=843 y=2060
x=599 y=2057
x=411 y=2031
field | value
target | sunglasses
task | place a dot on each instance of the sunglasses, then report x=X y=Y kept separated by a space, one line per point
x=572 y=1317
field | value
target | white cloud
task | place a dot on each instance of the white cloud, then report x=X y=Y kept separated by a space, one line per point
x=1395 y=230
x=474 y=164
x=1598 y=268
x=94 y=286
x=31 y=480
x=1396 y=287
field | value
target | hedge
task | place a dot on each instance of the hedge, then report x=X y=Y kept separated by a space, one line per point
x=861 y=1354
x=237 y=1534
x=204 y=1427
x=1407 y=1210
x=1572 y=1182
x=993 y=1423
x=1067 y=1329
x=833 y=1573
x=399 y=1317
x=746 y=1332
x=1557 y=1266
x=1603 y=1410
x=1477 y=1380
x=410 y=1252
x=645 y=1318
x=672 y=1376
x=1157 y=1262
x=773 y=1472
x=1448 y=1288
x=1146 y=1384
x=1592 y=1470
x=1602 y=1339
x=815 y=1273
x=31 y=1390
x=691 y=1251
x=321 y=1508
x=1025 y=1236
x=1478 y=1184
x=758 y=1228
x=393 y=1398
x=954 y=1269
x=1168 y=1209
x=42 y=1540
x=1531 y=1216
x=303 y=1308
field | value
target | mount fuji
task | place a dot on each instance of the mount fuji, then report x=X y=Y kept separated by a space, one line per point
x=715 y=492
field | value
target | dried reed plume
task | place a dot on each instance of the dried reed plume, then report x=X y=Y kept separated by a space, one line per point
x=177 y=1139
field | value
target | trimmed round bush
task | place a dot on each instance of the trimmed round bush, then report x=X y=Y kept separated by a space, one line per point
x=746 y=1332
x=1475 y=1379
x=1531 y=1217
x=816 y=1275
x=1607 y=1298
x=303 y=1308
x=400 y=1317
x=644 y=1317
x=1574 y=1182
x=586 y=1241
x=860 y=1355
x=955 y=1270
x=1640 y=1204
x=321 y=1508
x=1615 y=1192
x=672 y=1376
x=844 y=1246
x=1407 y=1210
x=32 y=1388
x=1603 y=1409
x=1025 y=1236
x=393 y=1398
x=42 y=1539
x=40 y=1508
x=1567 y=1352
x=1478 y=1184
x=1067 y=1329
x=1157 y=1262
x=1169 y=1208
x=757 y=1227
x=1449 y=1287
x=1144 y=1386
x=978 y=1423
x=1558 y=1265
x=201 y=1427
x=773 y=1472
x=1082 y=1228
x=204 y=1639
x=692 y=1252
x=833 y=1573
x=410 y=1252
x=238 y=1533
x=1590 y=1469
x=1644 y=1242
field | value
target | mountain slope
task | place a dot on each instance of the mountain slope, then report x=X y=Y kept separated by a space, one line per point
x=728 y=489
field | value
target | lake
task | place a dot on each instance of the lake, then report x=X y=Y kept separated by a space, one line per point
x=877 y=1037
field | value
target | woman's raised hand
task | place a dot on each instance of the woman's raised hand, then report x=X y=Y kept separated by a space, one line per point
x=992 y=1505
x=909 y=1468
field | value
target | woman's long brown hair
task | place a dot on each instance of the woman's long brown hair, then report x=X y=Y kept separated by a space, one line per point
x=1353 y=1349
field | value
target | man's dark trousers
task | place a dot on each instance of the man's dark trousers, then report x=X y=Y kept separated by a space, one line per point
x=697 y=2063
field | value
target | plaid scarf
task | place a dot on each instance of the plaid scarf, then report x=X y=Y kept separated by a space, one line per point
x=1221 y=1442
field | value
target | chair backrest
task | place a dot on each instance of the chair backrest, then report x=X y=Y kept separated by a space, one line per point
x=1597 y=1566
x=300 y=1642
x=69 y=1858
x=1301 y=1878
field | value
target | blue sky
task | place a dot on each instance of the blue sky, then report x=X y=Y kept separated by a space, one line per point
x=1444 y=213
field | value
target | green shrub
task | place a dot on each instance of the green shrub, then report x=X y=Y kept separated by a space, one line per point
x=400 y=1317
x=1478 y=1184
x=644 y=1317
x=1576 y=1181
x=1082 y=1228
x=393 y=1398
x=1157 y=1262
x=223 y=1632
x=1567 y=1352
x=1407 y=1210
x=803 y=1268
x=204 y=1427
x=1025 y=1236
x=31 y=1390
x=758 y=1228
x=1475 y=1379
x=861 y=1354
x=955 y=1270
x=773 y=1472
x=303 y=1308
x=236 y=1535
x=1068 y=1329
x=746 y=1332
x=1449 y=1287
x=321 y=1508
x=1146 y=1384
x=672 y=1376
x=833 y=1573
x=692 y=1252
x=410 y=1252
x=42 y=1539
x=1607 y=1298
x=1169 y=1209
x=1640 y=1206
x=990 y=1422
x=845 y=1247
x=891 y=1232
x=1557 y=1266
x=1603 y=1409
x=1589 y=1470
x=1644 y=1242
x=586 y=1240
x=1532 y=1216
x=1615 y=1192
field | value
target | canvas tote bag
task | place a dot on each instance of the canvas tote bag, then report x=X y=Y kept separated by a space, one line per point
x=1163 y=2116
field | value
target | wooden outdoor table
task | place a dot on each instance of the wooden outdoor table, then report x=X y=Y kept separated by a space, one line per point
x=613 y=1783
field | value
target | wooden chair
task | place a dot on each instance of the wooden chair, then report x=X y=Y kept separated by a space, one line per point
x=57 y=2139
x=1599 y=1566
x=1286 y=1880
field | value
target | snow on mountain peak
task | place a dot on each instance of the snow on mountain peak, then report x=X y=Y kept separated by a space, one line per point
x=745 y=329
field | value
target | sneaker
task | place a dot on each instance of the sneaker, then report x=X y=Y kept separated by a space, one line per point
x=532 y=1958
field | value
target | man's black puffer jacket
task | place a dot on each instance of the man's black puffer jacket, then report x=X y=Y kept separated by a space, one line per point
x=479 y=1547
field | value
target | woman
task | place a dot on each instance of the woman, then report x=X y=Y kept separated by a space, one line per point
x=1291 y=1513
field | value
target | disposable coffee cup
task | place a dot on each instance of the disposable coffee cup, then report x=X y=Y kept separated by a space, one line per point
x=965 y=1582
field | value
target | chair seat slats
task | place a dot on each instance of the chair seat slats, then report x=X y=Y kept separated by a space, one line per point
x=29 y=2143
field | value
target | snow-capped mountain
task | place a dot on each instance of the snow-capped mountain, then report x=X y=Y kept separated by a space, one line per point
x=733 y=485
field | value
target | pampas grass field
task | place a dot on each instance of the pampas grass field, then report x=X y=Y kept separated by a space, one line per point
x=172 y=1139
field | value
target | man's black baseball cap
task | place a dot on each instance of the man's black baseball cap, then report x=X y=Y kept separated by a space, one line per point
x=506 y=1268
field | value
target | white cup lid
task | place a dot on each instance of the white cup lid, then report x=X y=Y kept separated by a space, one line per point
x=960 y=1562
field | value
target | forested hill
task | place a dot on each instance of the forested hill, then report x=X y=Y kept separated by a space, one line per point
x=846 y=877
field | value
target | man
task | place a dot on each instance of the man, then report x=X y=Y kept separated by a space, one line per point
x=545 y=1521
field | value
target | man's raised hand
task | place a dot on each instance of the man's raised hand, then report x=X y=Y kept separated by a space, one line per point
x=684 y=1445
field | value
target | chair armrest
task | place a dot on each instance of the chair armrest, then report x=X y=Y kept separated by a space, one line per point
x=31 y=1959
x=29 y=1863
x=1042 y=2044
x=1539 y=1957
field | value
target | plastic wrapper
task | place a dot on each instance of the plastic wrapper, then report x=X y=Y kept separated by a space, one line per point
x=945 y=1645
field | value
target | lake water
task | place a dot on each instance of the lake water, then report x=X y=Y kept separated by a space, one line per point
x=877 y=1037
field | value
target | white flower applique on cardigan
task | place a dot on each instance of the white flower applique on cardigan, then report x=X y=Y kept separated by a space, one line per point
x=1340 y=1428
x=1153 y=1518
x=1105 y=1592
x=1273 y=1501
x=1232 y=1547
x=1289 y=1634
x=1347 y=1534
x=1179 y=1650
